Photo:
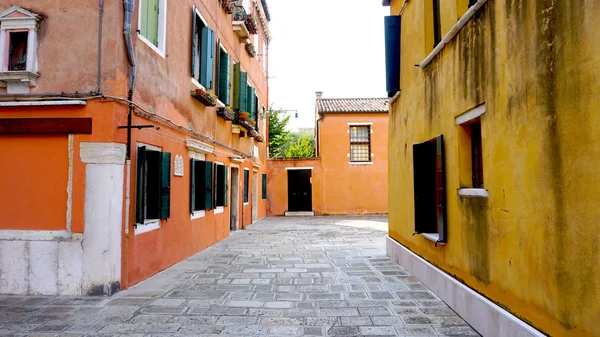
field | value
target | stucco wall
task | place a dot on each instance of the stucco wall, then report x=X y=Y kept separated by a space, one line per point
x=277 y=184
x=531 y=246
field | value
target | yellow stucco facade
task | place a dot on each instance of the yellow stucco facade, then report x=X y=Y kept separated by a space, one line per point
x=532 y=246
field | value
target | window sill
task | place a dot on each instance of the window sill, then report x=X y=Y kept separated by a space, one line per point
x=246 y=203
x=360 y=163
x=219 y=210
x=147 y=226
x=435 y=237
x=198 y=215
x=473 y=193
x=155 y=48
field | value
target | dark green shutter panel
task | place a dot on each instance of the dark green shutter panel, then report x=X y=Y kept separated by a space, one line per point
x=192 y=185
x=207 y=54
x=217 y=187
x=165 y=185
x=225 y=185
x=440 y=182
x=392 y=54
x=195 y=61
x=264 y=186
x=236 y=85
x=246 y=184
x=243 y=91
x=140 y=186
x=208 y=185
x=251 y=102
x=218 y=72
x=224 y=79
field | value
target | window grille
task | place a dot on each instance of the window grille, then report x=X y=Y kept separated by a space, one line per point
x=17 y=58
x=360 y=143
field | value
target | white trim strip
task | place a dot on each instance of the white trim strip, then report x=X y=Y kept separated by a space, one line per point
x=34 y=235
x=470 y=114
x=299 y=168
x=197 y=215
x=219 y=210
x=43 y=103
x=482 y=314
x=359 y=124
x=360 y=163
x=452 y=33
x=435 y=237
x=150 y=225
x=473 y=192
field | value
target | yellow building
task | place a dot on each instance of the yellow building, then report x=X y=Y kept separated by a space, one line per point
x=494 y=156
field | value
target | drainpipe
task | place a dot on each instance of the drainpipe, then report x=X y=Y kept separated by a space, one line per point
x=128 y=6
x=317 y=140
x=101 y=9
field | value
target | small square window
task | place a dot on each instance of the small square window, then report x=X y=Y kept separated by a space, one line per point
x=17 y=52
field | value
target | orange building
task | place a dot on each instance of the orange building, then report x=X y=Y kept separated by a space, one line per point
x=349 y=175
x=132 y=137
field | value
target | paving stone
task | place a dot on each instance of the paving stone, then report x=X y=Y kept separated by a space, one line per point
x=279 y=305
x=281 y=321
x=313 y=331
x=457 y=330
x=417 y=320
x=227 y=320
x=322 y=321
x=338 y=312
x=247 y=330
x=164 y=310
x=168 y=302
x=353 y=321
x=343 y=331
x=246 y=304
x=374 y=311
x=376 y=330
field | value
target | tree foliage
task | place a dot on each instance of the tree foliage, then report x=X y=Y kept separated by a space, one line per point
x=286 y=144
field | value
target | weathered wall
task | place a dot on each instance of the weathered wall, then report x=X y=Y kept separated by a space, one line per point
x=532 y=246
x=277 y=184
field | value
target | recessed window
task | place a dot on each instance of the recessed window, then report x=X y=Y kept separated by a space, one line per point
x=201 y=197
x=223 y=87
x=17 y=51
x=476 y=155
x=220 y=185
x=203 y=51
x=437 y=27
x=246 y=184
x=152 y=24
x=264 y=186
x=153 y=184
x=360 y=143
x=470 y=151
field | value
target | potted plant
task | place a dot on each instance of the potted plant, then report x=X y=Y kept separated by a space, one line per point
x=259 y=138
x=250 y=49
x=226 y=113
x=252 y=122
x=242 y=116
x=227 y=6
x=204 y=97
x=251 y=24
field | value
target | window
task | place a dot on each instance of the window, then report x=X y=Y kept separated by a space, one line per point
x=437 y=29
x=152 y=25
x=251 y=102
x=203 y=51
x=220 y=185
x=246 y=182
x=264 y=186
x=392 y=54
x=223 y=88
x=153 y=185
x=17 y=51
x=240 y=88
x=360 y=143
x=430 y=189
x=476 y=155
x=472 y=2
x=201 y=179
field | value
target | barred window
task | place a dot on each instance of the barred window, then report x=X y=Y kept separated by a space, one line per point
x=360 y=143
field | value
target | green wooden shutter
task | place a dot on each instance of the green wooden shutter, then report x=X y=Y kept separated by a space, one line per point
x=264 y=186
x=224 y=78
x=225 y=185
x=149 y=28
x=207 y=55
x=195 y=61
x=246 y=184
x=192 y=185
x=236 y=85
x=243 y=91
x=140 y=185
x=165 y=185
x=208 y=185
x=440 y=182
x=218 y=72
x=217 y=188
x=251 y=102
x=392 y=53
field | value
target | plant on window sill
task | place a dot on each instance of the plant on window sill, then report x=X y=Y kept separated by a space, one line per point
x=227 y=6
x=242 y=116
x=239 y=13
x=259 y=138
x=250 y=49
x=204 y=97
x=226 y=113
x=251 y=24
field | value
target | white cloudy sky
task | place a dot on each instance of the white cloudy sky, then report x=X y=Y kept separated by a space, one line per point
x=334 y=46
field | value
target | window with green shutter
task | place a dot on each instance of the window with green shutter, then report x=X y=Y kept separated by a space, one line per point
x=208 y=185
x=201 y=185
x=246 y=184
x=203 y=51
x=240 y=85
x=224 y=77
x=153 y=185
x=264 y=186
x=149 y=20
x=250 y=101
x=220 y=185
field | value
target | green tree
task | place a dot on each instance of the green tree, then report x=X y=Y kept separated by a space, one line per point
x=300 y=145
x=278 y=135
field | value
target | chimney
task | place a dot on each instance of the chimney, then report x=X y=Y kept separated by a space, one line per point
x=319 y=95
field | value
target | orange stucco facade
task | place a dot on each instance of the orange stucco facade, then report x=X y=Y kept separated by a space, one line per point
x=338 y=186
x=53 y=174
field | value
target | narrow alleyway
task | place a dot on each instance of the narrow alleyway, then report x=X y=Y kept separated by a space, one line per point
x=281 y=276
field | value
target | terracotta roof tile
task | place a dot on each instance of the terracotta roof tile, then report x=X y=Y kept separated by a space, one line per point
x=352 y=105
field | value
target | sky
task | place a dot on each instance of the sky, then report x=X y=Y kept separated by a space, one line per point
x=334 y=46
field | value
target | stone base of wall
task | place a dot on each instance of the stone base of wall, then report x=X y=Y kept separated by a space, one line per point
x=484 y=316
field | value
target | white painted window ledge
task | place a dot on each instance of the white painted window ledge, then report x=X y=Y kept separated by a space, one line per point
x=435 y=237
x=198 y=215
x=147 y=226
x=219 y=210
x=473 y=192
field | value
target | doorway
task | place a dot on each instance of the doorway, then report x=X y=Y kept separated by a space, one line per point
x=254 y=196
x=299 y=191
x=235 y=199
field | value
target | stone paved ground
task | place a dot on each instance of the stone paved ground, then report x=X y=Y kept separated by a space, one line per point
x=281 y=277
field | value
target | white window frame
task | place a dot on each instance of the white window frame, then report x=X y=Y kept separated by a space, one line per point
x=462 y=119
x=149 y=224
x=162 y=28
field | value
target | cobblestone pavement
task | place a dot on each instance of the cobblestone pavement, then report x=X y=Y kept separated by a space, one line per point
x=318 y=276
